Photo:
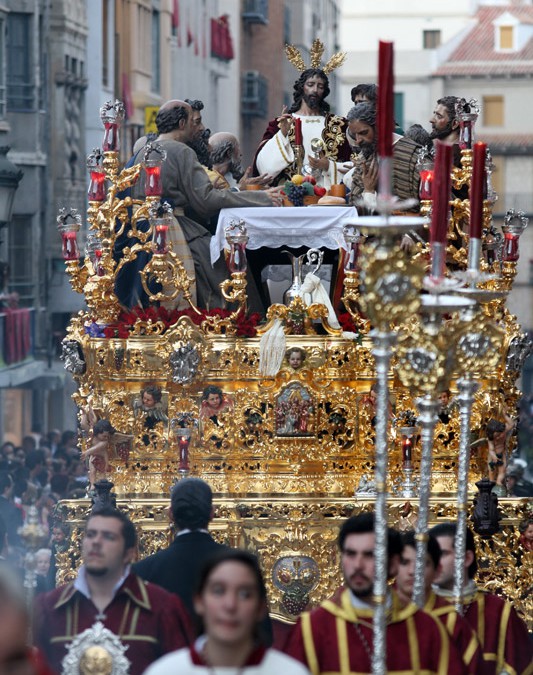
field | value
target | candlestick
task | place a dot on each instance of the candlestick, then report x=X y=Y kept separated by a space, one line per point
x=298 y=131
x=476 y=191
x=441 y=208
x=385 y=108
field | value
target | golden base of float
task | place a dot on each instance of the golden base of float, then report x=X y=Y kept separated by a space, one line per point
x=289 y=456
x=296 y=539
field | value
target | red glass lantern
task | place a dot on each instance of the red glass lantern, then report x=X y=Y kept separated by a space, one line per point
x=69 y=231
x=93 y=250
x=153 y=186
x=353 y=239
x=514 y=224
x=111 y=115
x=510 y=247
x=153 y=158
x=160 y=239
x=161 y=220
x=408 y=442
x=237 y=238
x=426 y=183
x=96 y=191
x=184 y=441
x=467 y=114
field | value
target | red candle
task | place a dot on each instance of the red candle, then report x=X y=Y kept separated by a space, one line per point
x=407 y=449
x=441 y=193
x=385 y=109
x=476 y=190
x=298 y=131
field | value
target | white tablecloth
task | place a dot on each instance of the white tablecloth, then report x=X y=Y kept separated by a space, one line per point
x=293 y=226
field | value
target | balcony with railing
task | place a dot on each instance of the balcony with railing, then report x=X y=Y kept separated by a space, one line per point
x=17 y=346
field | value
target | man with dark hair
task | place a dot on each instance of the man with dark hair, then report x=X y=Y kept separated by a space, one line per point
x=461 y=634
x=150 y=621
x=200 y=142
x=337 y=636
x=276 y=154
x=363 y=178
x=503 y=636
x=186 y=184
x=364 y=92
x=444 y=121
x=176 y=568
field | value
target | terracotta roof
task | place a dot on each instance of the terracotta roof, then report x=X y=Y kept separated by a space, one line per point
x=476 y=54
x=517 y=142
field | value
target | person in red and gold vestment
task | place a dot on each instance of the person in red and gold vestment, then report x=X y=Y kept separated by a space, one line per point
x=147 y=619
x=502 y=634
x=463 y=636
x=337 y=637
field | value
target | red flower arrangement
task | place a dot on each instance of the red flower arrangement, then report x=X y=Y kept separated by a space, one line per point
x=347 y=323
x=246 y=324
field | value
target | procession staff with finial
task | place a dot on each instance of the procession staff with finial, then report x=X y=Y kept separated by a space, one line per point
x=308 y=118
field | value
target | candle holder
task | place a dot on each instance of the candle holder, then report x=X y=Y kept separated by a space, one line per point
x=425 y=165
x=467 y=113
x=490 y=194
x=93 y=251
x=390 y=285
x=182 y=426
x=153 y=157
x=237 y=237
x=234 y=289
x=69 y=224
x=408 y=488
x=514 y=225
x=350 y=296
x=477 y=353
x=492 y=245
x=161 y=220
x=425 y=364
x=112 y=115
x=97 y=187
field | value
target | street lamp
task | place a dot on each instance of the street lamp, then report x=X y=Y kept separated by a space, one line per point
x=10 y=176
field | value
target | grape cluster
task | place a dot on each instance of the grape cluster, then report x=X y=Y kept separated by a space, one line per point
x=296 y=195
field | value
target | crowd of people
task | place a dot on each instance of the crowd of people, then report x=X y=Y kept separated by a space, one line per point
x=199 y=606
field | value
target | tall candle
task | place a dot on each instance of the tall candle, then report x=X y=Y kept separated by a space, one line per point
x=441 y=193
x=385 y=108
x=298 y=131
x=477 y=187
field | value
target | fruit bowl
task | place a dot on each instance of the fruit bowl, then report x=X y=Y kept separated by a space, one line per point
x=308 y=199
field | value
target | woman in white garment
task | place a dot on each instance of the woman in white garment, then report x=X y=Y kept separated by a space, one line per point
x=231 y=600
